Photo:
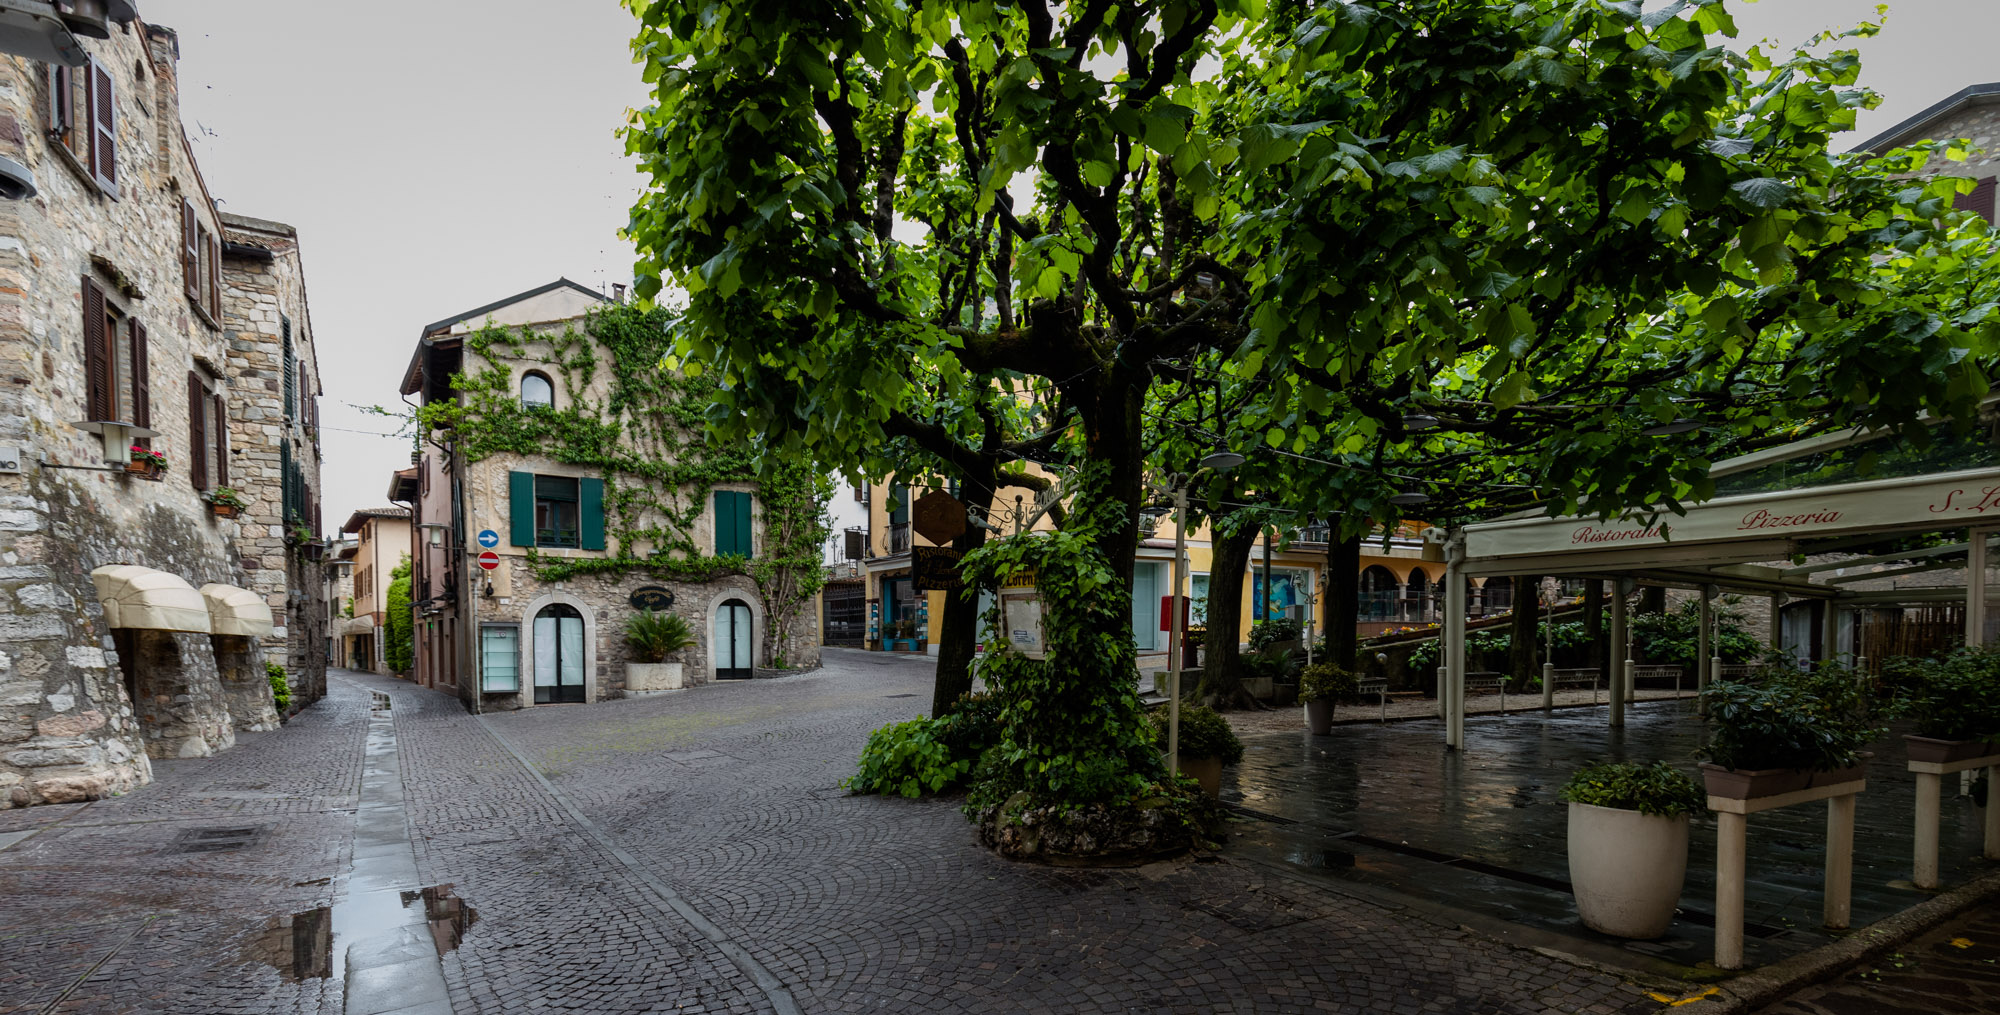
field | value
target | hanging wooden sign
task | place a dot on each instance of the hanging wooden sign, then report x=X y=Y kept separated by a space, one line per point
x=935 y=569
x=938 y=517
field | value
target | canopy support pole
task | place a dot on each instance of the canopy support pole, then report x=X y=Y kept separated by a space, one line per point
x=1454 y=625
x=1704 y=647
x=1975 y=588
x=1621 y=651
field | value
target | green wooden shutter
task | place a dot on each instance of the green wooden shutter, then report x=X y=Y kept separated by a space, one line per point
x=590 y=512
x=521 y=508
x=725 y=523
x=743 y=524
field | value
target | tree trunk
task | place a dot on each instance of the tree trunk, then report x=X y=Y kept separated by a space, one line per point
x=1652 y=599
x=1521 y=643
x=1593 y=625
x=958 y=629
x=1343 y=601
x=1222 y=670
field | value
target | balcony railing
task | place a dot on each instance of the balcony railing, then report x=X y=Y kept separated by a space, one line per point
x=556 y=537
x=899 y=537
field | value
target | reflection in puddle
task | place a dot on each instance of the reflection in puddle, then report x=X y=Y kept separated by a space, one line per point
x=447 y=914
x=300 y=946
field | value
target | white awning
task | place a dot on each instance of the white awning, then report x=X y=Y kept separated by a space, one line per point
x=144 y=598
x=232 y=610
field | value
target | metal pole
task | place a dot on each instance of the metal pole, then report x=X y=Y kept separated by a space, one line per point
x=1454 y=626
x=1266 y=598
x=1619 y=654
x=1175 y=633
x=1703 y=644
x=1975 y=588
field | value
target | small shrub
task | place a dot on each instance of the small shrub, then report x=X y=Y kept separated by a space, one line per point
x=281 y=690
x=973 y=725
x=1204 y=734
x=1954 y=698
x=1816 y=721
x=911 y=758
x=1270 y=632
x=1658 y=788
x=655 y=636
x=1327 y=682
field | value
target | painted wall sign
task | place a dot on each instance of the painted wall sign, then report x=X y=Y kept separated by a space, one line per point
x=935 y=569
x=652 y=597
x=1937 y=502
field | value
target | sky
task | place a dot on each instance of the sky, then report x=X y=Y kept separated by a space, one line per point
x=437 y=155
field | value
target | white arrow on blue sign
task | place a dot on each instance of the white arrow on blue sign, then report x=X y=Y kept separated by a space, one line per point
x=489 y=538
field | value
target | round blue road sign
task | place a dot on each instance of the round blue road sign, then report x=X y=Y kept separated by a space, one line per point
x=489 y=538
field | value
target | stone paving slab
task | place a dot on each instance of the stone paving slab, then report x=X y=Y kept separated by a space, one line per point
x=1953 y=970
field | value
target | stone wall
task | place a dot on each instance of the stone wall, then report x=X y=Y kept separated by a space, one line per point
x=73 y=724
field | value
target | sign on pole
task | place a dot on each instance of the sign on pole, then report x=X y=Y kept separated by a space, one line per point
x=489 y=538
x=489 y=560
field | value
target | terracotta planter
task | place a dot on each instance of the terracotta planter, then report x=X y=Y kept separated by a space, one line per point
x=143 y=470
x=1207 y=771
x=222 y=510
x=1747 y=784
x=1319 y=717
x=1627 y=869
x=1944 y=752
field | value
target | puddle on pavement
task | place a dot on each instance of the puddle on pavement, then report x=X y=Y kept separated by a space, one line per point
x=301 y=946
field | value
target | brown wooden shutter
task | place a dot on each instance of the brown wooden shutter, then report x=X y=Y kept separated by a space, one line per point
x=103 y=128
x=96 y=354
x=215 y=278
x=221 y=443
x=142 y=380
x=1979 y=202
x=190 y=254
x=197 y=432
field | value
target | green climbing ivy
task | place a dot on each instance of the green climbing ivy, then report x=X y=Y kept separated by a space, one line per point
x=644 y=429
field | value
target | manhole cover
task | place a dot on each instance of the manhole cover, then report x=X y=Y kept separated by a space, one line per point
x=217 y=840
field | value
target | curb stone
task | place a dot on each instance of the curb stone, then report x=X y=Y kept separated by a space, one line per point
x=1753 y=990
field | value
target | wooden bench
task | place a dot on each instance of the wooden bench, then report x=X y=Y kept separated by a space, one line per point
x=1575 y=679
x=1379 y=687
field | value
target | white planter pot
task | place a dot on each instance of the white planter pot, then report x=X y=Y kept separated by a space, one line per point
x=645 y=677
x=1626 y=868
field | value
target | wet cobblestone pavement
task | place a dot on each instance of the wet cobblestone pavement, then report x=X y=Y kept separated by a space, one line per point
x=691 y=852
x=1954 y=970
x=1485 y=832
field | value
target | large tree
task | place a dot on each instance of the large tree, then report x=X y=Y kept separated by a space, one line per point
x=994 y=227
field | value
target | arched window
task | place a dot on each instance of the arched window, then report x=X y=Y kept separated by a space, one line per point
x=536 y=391
x=1379 y=593
x=1417 y=595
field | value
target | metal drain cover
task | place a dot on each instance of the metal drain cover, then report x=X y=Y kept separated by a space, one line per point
x=218 y=840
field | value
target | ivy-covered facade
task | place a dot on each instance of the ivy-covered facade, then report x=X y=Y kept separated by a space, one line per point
x=556 y=440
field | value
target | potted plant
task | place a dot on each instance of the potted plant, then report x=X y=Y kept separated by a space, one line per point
x=1955 y=702
x=653 y=637
x=146 y=463
x=223 y=502
x=1321 y=687
x=1787 y=732
x=1628 y=845
x=1206 y=744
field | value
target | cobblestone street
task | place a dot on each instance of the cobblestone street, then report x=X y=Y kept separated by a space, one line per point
x=687 y=852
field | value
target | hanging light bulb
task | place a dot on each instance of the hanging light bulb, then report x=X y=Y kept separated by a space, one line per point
x=1418 y=422
x=1409 y=498
x=1221 y=459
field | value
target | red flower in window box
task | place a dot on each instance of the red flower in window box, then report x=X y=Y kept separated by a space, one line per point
x=146 y=463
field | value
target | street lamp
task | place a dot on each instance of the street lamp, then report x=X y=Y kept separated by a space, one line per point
x=1221 y=460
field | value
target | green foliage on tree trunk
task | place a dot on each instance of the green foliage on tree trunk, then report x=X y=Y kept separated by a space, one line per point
x=399 y=644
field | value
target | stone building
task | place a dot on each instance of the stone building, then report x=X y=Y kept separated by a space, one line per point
x=382 y=541
x=339 y=600
x=576 y=465
x=134 y=623
x=1973 y=113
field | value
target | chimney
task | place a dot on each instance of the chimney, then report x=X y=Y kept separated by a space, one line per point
x=618 y=293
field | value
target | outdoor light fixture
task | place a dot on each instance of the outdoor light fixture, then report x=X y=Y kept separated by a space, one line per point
x=1409 y=498
x=1669 y=429
x=1221 y=459
x=436 y=531
x=1417 y=422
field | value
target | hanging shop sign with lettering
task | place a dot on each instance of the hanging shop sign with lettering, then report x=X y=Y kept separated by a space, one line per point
x=935 y=569
x=652 y=597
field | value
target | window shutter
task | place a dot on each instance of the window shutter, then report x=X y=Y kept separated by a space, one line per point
x=197 y=433
x=285 y=326
x=1979 y=202
x=142 y=379
x=103 y=128
x=62 y=103
x=725 y=523
x=521 y=508
x=743 y=524
x=190 y=253
x=215 y=278
x=221 y=442
x=590 y=513
x=96 y=353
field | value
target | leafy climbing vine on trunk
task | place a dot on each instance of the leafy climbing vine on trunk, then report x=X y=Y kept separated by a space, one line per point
x=641 y=424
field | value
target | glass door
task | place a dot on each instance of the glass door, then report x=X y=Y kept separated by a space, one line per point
x=558 y=655
x=733 y=641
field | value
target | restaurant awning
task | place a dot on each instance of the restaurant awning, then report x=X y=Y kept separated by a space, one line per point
x=149 y=599
x=239 y=611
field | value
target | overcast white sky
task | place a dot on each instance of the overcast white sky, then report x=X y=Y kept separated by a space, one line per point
x=437 y=155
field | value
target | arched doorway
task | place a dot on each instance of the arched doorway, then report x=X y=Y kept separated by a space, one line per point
x=734 y=640
x=558 y=654
x=1379 y=592
x=1417 y=596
